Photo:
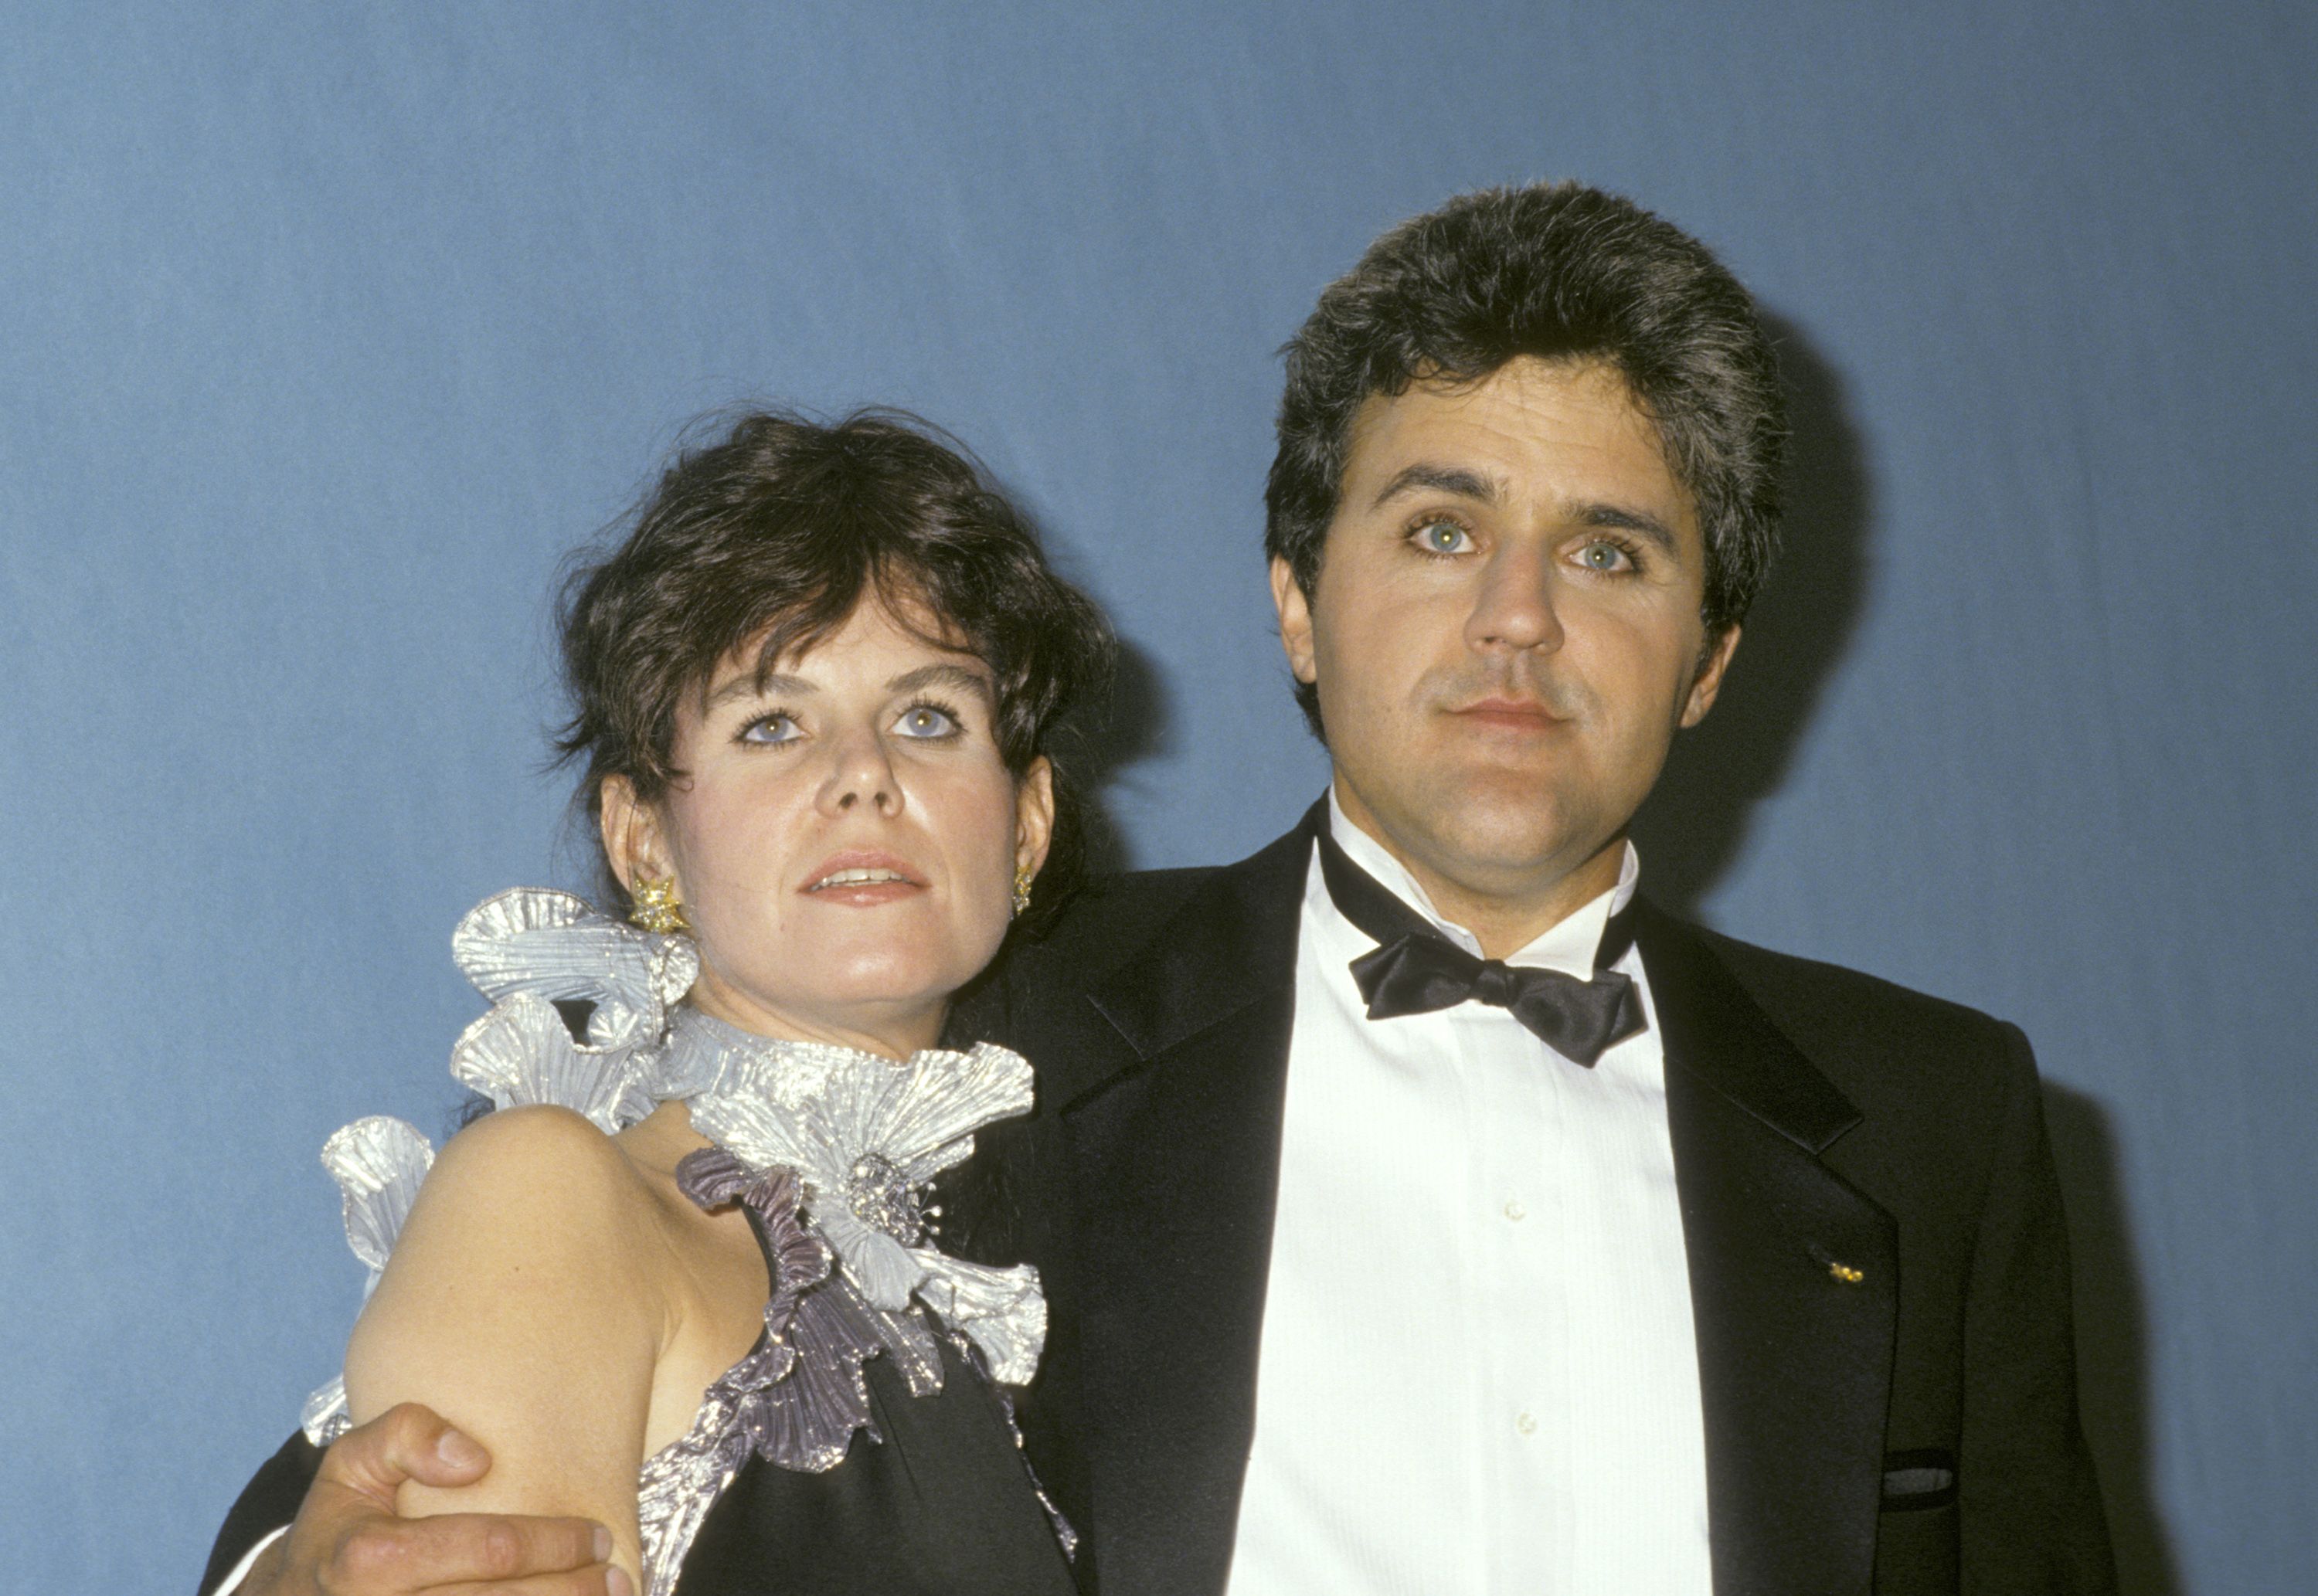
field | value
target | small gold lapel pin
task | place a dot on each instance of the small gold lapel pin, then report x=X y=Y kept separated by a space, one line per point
x=1845 y=1272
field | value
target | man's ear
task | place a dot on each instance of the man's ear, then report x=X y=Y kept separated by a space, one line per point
x=632 y=839
x=1295 y=621
x=1034 y=816
x=1708 y=683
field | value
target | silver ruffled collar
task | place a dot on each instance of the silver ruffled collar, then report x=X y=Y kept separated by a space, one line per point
x=861 y=1135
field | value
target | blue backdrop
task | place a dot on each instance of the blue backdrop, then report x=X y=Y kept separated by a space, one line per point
x=327 y=330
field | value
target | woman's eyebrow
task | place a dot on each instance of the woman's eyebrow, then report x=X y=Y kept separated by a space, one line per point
x=777 y=686
x=749 y=685
x=943 y=676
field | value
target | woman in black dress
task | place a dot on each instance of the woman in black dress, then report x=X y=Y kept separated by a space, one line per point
x=687 y=1282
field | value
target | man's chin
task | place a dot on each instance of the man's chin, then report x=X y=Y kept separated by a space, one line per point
x=1494 y=834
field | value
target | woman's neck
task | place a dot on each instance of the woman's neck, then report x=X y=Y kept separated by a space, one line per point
x=893 y=1031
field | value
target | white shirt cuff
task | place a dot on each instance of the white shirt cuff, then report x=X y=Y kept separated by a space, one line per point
x=232 y=1582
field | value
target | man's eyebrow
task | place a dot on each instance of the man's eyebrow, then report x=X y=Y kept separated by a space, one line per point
x=1632 y=520
x=1466 y=483
x=959 y=677
x=1460 y=480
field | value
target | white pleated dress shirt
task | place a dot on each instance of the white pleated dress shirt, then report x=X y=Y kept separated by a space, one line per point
x=1479 y=1372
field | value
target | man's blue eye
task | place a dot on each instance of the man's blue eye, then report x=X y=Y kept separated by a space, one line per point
x=1603 y=557
x=1441 y=537
x=923 y=720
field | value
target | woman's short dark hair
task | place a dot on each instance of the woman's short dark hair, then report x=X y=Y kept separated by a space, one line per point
x=766 y=539
x=1558 y=271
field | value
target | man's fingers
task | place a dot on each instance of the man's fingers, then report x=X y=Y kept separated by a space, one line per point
x=406 y=1443
x=486 y=1550
x=586 y=1582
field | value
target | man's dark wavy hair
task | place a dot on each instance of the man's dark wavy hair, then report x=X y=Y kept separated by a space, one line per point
x=1562 y=272
x=765 y=539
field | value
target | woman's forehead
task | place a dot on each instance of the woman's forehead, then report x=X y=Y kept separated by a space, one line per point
x=880 y=641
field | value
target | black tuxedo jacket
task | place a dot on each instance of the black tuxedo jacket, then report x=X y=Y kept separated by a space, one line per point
x=1878 y=1262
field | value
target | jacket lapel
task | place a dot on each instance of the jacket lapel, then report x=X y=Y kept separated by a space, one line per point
x=1794 y=1284
x=1175 y=1160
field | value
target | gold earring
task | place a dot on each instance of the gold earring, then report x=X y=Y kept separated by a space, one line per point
x=652 y=905
x=1022 y=878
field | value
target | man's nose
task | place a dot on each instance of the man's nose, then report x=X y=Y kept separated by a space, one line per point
x=859 y=774
x=1513 y=606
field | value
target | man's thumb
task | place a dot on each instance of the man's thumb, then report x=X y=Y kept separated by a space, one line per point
x=407 y=1442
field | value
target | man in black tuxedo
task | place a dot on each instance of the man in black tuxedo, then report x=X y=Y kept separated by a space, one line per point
x=1809 y=1245
x=1418 y=1206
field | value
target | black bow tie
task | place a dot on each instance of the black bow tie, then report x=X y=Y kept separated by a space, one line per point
x=1415 y=970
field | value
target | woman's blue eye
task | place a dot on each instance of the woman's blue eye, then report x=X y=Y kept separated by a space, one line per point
x=925 y=719
x=1443 y=537
x=770 y=729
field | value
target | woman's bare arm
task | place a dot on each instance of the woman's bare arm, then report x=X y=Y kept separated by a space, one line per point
x=525 y=1296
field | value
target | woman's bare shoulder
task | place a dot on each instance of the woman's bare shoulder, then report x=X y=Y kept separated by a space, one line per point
x=524 y=1300
x=537 y=1142
x=530 y=1214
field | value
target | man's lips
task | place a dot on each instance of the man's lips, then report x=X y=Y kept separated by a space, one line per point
x=1513 y=715
x=862 y=876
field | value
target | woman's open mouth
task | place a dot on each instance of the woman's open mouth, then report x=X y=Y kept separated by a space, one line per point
x=862 y=879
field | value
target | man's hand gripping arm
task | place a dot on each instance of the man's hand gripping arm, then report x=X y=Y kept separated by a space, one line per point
x=347 y=1540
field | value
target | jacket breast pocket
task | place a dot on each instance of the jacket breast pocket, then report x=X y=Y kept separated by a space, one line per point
x=1916 y=1549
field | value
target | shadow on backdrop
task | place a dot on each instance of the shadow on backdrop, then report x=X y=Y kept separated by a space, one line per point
x=2112 y=1346
x=1696 y=823
x=1123 y=724
x=1694 y=827
x=1127 y=725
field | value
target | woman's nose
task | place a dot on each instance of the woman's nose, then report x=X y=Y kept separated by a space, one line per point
x=860 y=774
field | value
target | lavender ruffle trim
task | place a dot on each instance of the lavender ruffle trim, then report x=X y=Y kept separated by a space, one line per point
x=796 y=1398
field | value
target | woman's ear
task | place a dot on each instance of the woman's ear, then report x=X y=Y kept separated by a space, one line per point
x=633 y=840
x=1034 y=815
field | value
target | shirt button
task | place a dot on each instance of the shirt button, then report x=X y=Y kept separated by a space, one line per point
x=1525 y=1424
x=1514 y=1210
